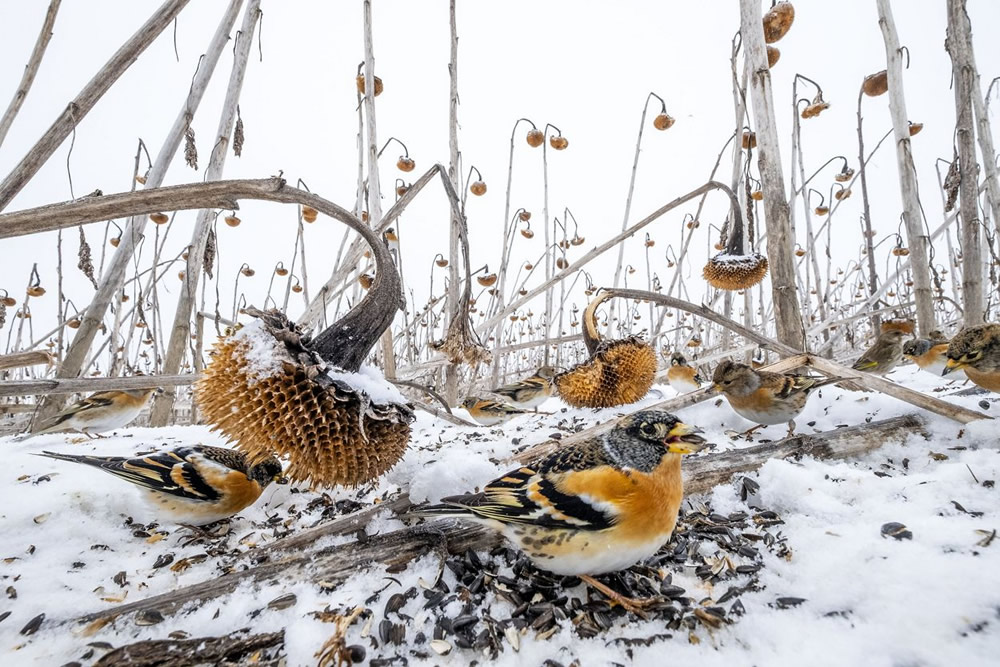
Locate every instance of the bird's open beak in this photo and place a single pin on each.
(281, 479)
(684, 439)
(953, 365)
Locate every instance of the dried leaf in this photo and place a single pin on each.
(238, 134)
(84, 263)
(190, 151)
(951, 183)
(208, 260)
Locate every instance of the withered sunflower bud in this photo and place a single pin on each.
(876, 84)
(618, 372)
(275, 390)
(777, 21)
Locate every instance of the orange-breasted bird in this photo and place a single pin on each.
(976, 350)
(929, 354)
(681, 377)
(597, 506)
(490, 413)
(100, 412)
(190, 485)
(530, 392)
(884, 354)
(764, 397)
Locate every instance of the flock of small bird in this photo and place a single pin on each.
(599, 505)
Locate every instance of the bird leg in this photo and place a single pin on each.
(207, 533)
(791, 428)
(750, 431)
(633, 605)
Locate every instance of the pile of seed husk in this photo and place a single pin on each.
(504, 598)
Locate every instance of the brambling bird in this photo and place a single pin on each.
(99, 412)
(681, 377)
(599, 505)
(490, 413)
(763, 397)
(976, 350)
(929, 354)
(530, 392)
(190, 485)
(884, 355)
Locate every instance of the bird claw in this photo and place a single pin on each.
(205, 533)
(634, 605)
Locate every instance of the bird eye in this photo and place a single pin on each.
(727, 382)
(648, 429)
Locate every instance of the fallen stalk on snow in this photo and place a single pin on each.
(333, 565)
(195, 651)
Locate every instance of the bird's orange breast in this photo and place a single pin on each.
(238, 491)
(762, 399)
(646, 503)
(989, 381)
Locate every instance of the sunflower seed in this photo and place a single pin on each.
(163, 560)
(148, 617)
(32, 626)
(283, 602)
(896, 530)
(440, 646)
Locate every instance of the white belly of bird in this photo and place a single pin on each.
(774, 416)
(683, 386)
(583, 552)
(100, 423)
(184, 510)
(531, 403)
(489, 420)
(938, 367)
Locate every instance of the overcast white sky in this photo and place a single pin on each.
(586, 67)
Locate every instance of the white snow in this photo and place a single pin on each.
(262, 351)
(370, 380)
(869, 600)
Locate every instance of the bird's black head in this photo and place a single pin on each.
(663, 428)
(266, 471)
(677, 359)
(917, 347)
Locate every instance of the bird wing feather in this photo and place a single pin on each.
(537, 495)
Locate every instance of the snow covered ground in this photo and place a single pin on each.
(74, 540)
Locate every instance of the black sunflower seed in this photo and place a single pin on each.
(283, 602)
(148, 617)
(395, 603)
(32, 626)
(163, 560)
(463, 622)
(896, 530)
(788, 602)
